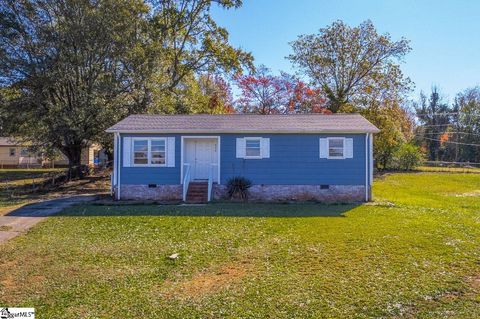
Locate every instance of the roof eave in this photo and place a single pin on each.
(186, 131)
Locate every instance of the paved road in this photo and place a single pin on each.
(22, 219)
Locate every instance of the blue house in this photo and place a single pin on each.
(286, 157)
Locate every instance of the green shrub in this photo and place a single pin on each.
(407, 157)
(237, 187)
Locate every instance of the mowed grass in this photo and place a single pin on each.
(413, 253)
(475, 170)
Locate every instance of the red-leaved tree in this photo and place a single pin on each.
(264, 93)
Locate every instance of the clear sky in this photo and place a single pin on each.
(444, 34)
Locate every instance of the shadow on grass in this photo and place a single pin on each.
(213, 209)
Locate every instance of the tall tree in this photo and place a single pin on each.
(466, 124)
(74, 67)
(435, 117)
(218, 94)
(351, 62)
(262, 92)
(265, 93)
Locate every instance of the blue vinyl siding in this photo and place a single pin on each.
(152, 175)
(294, 159)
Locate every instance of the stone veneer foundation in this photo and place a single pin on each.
(335, 193)
(143, 192)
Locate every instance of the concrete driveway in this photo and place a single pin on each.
(22, 219)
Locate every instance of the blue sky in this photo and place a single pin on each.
(444, 34)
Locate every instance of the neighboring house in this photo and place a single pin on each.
(286, 157)
(15, 154)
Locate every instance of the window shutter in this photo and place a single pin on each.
(241, 148)
(348, 148)
(127, 151)
(265, 148)
(170, 151)
(323, 148)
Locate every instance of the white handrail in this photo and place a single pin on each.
(210, 181)
(186, 181)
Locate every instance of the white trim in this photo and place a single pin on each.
(252, 138)
(328, 147)
(182, 149)
(190, 131)
(366, 167)
(371, 159)
(149, 152)
(119, 159)
(115, 155)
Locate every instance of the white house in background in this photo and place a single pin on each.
(15, 154)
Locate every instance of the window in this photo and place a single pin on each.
(149, 152)
(24, 152)
(158, 152)
(335, 148)
(252, 147)
(13, 152)
(140, 152)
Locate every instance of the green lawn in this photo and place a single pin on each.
(414, 253)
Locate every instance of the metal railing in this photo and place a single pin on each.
(210, 180)
(186, 180)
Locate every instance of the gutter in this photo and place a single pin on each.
(215, 131)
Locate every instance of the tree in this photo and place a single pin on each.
(72, 68)
(349, 63)
(218, 94)
(435, 117)
(466, 125)
(264, 93)
(395, 125)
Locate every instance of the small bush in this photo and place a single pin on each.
(237, 187)
(407, 157)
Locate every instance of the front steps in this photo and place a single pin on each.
(197, 192)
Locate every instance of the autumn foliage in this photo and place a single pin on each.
(264, 93)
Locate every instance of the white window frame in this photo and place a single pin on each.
(14, 153)
(259, 139)
(149, 151)
(328, 148)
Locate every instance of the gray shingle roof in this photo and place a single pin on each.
(8, 141)
(245, 123)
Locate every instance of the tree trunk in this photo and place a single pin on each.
(74, 155)
(109, 155)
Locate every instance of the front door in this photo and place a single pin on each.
(201, 154)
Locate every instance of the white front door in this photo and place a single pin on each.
(202, 156)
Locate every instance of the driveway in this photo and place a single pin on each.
(22, 219)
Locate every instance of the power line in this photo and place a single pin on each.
(458, 143)
(434, 133)
(447, 113)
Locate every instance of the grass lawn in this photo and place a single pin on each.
(414, 253)
(475, 170)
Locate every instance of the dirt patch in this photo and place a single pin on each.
(5, 228)
(474, 193)
(210, 281)
(475, 283)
